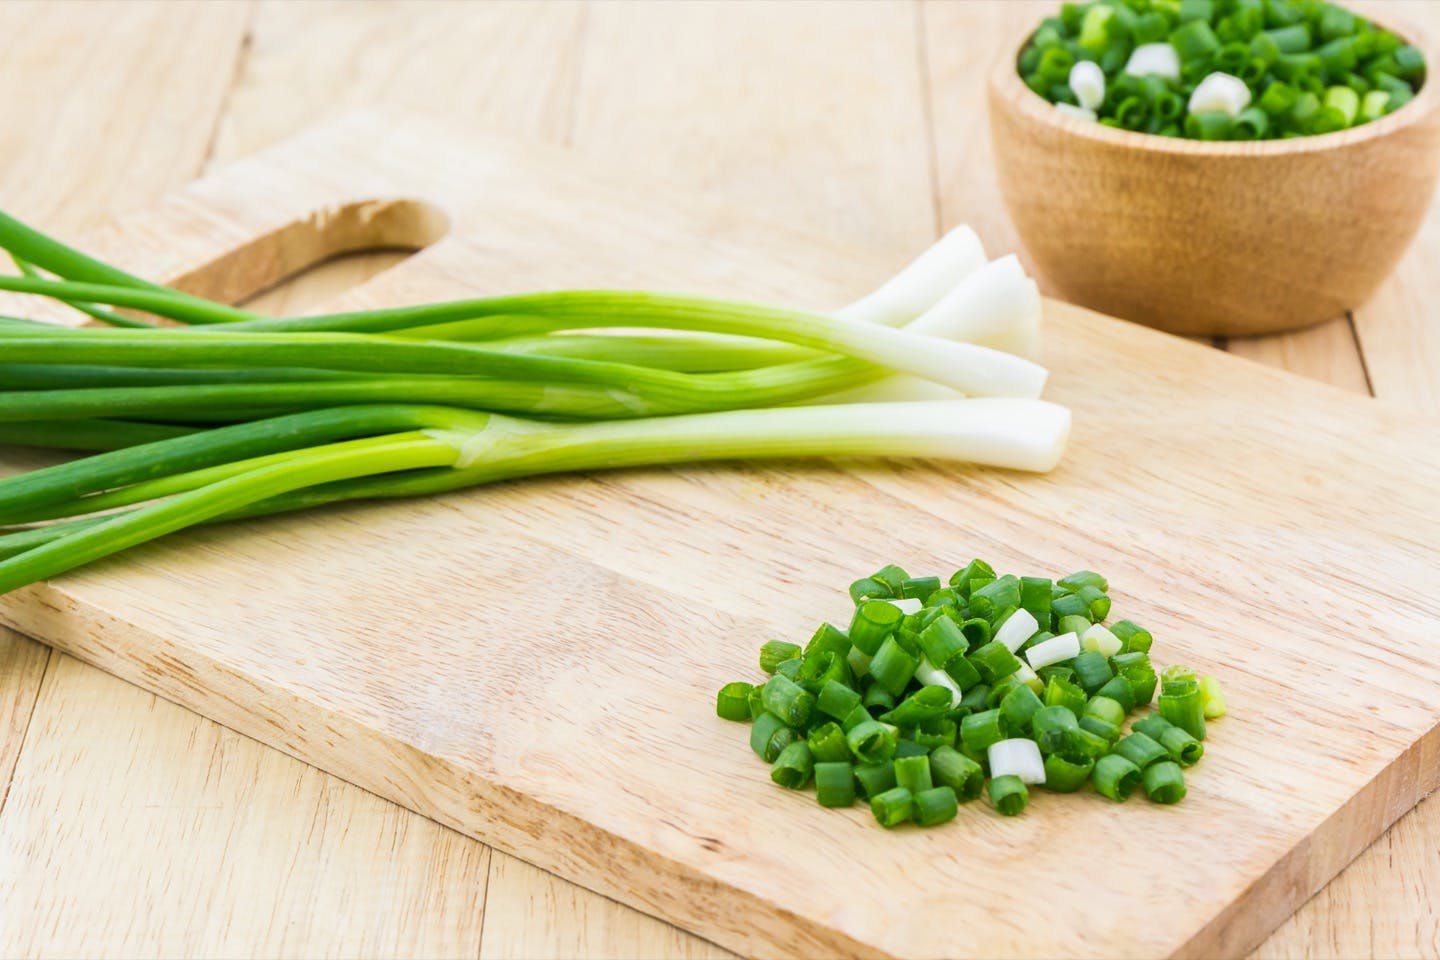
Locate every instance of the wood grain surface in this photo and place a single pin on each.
(431, 705)
(301, 60)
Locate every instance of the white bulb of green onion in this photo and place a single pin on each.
(932, 676)
(1055, 650)
(907, 605)
(1017, 757)
(1087, 82)
(996, 306)
(1080, 113)
(1160, 59)
(1220, 93)
(1017, 628)
(1101, 640)
(922, 283)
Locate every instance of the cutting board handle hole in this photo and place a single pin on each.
(334, 248)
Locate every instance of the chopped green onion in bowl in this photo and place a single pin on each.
(1220, 69)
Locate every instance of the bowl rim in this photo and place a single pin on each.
(1005, 82)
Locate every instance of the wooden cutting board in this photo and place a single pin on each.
(534, 664)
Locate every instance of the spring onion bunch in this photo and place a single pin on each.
(939, 692)
(1220, 69)
(194, 411)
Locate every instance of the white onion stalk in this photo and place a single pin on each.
(1222, 93)
(1079, 113)
(1087, 82)
(1101, 640)
(1055, 650)
(920, 285)
(932, 676)
(1017, 628)
(1160, 59)
(906, 605)
(1018, 757)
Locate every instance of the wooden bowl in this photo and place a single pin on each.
(1209, 238)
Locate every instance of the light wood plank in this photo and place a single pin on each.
(1327, 352)
(258, 854)
(505, 67)
(107, 104)
(22, 669)
(808, 112)
(531, 914)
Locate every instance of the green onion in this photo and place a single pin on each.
(1212, 699)
(994, 661)
(923, 704)
(942, 640)
(769, 735)
(893, 807)
(877, 699)
(1182, 747)
(1140, 750)
(1066, 775)
(872, 741)
(837, 700)
(775, 652)
(951, 768)
(828, 744)
(1119, 689)
(893, 666)
(1181, 702)
(1100, 727)
(1009, 795)
(1082, 744)
(908, 748)
(834, 784)
(1134, 639)
(873, 779)
(913, 773)
(793, 767)
(1092, 671)
(1049, 726)
(874, 621)
(1019, 706)
(1164, 783)
(1060, 692)
(788, 700)
(1115, 777)
(979, 730)
(733, 701)
(935, 805)
(1104, 708)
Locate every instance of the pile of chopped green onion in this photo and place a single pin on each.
(1220, 69)
(937, 693)
(195, 411)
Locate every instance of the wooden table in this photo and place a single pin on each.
(130, 826)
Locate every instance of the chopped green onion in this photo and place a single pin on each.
(769, 735)
(1135, 639)
(1018, 757)
(893, 807)
(1164, 783)
(935, 805)
(1140, 750)
(873, 779)
(974, 570)
(1092, 671)
(893, 666)
(834, 784)
(951, 768)
(836, 700)
(1066, 775)
(979, 730)
(1070, 605)
(923, 704)
(775, 652)
(1019, 706)
(962, 671)
(941, 640)
(1054, 650)
(977, 632)
(1100, 727)
(1049, 726)
(1009, 795)
(937, 732)
(1035, 598)
(1181, 702)
(733, 701)
(1082, 744)
(908, 748)
(1212, 699)
(919, 588)
(828, 639)
(1060, 692)
(1182, 747)
(788, 700)
(873, 622)
(789, 669)
(828, 744)
(1101, 640)
(913, 773)
(1084, 578)
(1115, 777)
(1105, 709)
(994, 661)
(872, 741)
(877, 699)
(1017, 628)
(793, 767)
(756, 703)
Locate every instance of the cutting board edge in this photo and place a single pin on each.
(403, 773)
